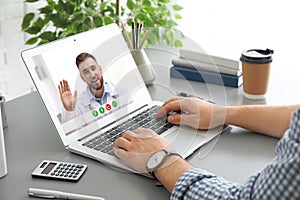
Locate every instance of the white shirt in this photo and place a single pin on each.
(86, 102)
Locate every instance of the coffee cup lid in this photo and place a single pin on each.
(257, 56)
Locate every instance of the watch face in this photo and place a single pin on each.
(156, 159)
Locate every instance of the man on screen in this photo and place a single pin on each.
(98, 91)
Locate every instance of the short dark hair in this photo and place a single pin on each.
(82, 57)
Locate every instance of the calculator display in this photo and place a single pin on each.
(48, 168)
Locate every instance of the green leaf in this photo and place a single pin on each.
(32, 30)
(43, 42)
(32, 40)
(68, 31)
(27, 20)
(178, 43)
(87, 22)
(46, 9)
(59, 21)
(103, 5)
(48, 35)
(146, 3)
(149, 9)
(69, 7)
(39, 23)
(131, 5)
(177, 7)
(107, 20)
(141, 16)
(78, 28)
(97, 21)
(177, 16)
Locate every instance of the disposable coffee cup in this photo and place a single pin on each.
(256, 64)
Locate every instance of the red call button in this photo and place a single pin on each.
(108, 107)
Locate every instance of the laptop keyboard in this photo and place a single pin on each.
(145, 119)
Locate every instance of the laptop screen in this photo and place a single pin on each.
(86, 81)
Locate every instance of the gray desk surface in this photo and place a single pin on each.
(31, 137)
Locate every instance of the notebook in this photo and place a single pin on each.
(125, 94)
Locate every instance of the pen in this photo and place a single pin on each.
(126, 36)
(52, 194)
(145, 38)
(137, 36)
(133, 34)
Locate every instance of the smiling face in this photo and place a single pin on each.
(91, 73)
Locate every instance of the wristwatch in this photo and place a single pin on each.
(157, 159)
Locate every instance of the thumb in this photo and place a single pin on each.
(184, 119)
(175, 119)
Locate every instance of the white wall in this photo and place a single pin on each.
(227, 27)
(238, 23)
(221, 27)
(14, 80)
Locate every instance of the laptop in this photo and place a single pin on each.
(130, 100)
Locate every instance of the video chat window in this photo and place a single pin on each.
(61, 77)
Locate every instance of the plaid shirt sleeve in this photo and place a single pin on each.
(279, 180)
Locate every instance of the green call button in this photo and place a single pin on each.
(101, 110)
(114, 104)
(95, 113)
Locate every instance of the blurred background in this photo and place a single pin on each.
(220, 27)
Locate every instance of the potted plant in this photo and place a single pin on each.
(61, 18)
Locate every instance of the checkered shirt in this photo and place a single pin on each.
(280, 179)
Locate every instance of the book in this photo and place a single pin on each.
(203, 57)
(205, 66)
(194, 74)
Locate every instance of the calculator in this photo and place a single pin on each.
(59, 170)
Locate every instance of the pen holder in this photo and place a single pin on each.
(144, 65)
(3, 165)
(3, 113)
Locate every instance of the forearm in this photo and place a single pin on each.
(269, 120)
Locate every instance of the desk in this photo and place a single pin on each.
(31, 137)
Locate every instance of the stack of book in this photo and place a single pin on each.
(197, 66)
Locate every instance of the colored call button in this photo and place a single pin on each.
(108, 107)
(114, 104)
(95, 113)
(101, 110)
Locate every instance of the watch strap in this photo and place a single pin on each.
(168, 153)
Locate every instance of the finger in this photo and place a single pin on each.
(120, 153)
(171, 106)
(122, 143)
(66, 85)
(59, 90)
(145, 132)
(172, 99)
(128, 135)
(61, 86)
(183, 119)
